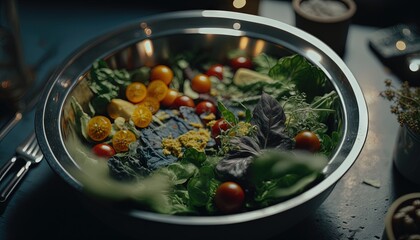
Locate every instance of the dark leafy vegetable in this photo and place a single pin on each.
(236, 164)
(269, 118)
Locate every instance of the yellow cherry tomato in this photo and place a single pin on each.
(122, 139)
(99, 128)
(157, 89)
(136, 92)
(142, 116)
(151, 103)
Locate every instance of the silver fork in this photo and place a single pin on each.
(28, 151)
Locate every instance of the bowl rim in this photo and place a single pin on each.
(328, 183)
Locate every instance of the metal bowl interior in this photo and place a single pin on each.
(155, 39)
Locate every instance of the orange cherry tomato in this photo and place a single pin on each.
(99, 128)
(157, 89)
(201, 83)
(163, 73)
(136, 92)
(151, 103)
(122, 139)
(170, 97)
(141, 116)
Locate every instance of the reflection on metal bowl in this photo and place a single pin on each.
(154, 40)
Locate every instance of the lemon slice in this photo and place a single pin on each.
(120, 108)
(244, 76)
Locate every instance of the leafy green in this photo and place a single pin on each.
(291, 74)
(106, 84)
(313, 117)
(178, 202)
(296, 69)
(141, 74)
(199, 186)
(81, 118)
(329, 143)
(193, 180)
(263, 63)
(226, 114)
(278, 175)
(192, 155)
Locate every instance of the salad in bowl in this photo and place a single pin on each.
(219, 137)
(209, 122)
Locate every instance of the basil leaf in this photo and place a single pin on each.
(263, 63)
(227, 114)
(236, 164)
(179, 202)
(277, 175)
(182, 171)
(191, 155)
(269, 118)
(200, 186)
(307, 77)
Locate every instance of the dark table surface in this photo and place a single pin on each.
(45, 207)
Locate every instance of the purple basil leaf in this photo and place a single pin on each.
(235, 164)
(269, 117)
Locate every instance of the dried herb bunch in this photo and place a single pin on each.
(406, 104)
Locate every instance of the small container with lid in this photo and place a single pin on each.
(328, 20)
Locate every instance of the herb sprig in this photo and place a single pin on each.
(405, 104)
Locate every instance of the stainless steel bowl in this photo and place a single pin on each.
(151, 41)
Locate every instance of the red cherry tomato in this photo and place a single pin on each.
(215, 70)
(307, 140)
(218, 126)
(183, 101)
(229, 197)
(205, 107)
(241, 62)
(103, 150)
